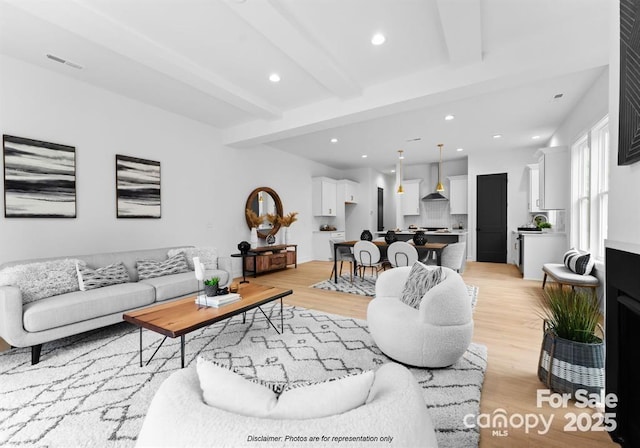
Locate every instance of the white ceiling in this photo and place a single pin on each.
(494, 64)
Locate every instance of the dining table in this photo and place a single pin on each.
(423, 251)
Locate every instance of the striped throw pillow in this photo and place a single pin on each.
(421, 279)
(154, 268)
(579, 262)
(98, 278)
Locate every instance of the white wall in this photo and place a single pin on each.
(204, 184)
(624, 186)
(514, 163)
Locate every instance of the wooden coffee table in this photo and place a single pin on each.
(183, 316)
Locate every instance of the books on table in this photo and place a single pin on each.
(217, 301)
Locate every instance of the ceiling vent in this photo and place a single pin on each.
(65, 62)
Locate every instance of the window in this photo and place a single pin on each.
(590, 189)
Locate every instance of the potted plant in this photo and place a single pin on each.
(286, 221)
(544, 226)
(572, 354)
(255, 221)
(211, 286)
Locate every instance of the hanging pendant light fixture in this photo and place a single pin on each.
(436, 196)
(439, 186)
(400, 188)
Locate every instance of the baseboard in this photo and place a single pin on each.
(4, 346)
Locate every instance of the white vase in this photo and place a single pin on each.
(285, 235)
(253, 239)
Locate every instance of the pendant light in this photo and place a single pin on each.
(400, 188)
(439, 186)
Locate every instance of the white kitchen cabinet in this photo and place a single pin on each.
(458, 195)
(555, 174)
(534, 188)
(539, 248)
(410, 199)
(324, 199)
(350, 189)
(321, 246)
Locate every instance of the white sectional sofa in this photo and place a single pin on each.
(44, 320)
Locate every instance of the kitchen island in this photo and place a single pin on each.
(433, 236)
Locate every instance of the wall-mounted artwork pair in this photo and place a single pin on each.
(40, 181)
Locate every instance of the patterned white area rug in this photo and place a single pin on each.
(89, 391)
(366, 286)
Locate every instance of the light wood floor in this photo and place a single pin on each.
(506, 321)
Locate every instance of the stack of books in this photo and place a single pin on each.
(217, 301)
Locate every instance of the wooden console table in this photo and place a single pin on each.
(270, 258)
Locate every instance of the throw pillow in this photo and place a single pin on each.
(42, 279)
(98, 278)
(154, 268)
(421, 279)
(227, 390)
(579, 262)
(208, 256)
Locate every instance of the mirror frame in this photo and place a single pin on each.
(279, 210)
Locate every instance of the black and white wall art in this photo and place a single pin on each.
(137, 187)
(39, 179)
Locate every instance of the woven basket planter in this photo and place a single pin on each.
(566, 366)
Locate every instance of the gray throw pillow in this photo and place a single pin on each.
(42, 279)
(421, 279)
(154, 268)
(98, 278)
(208, 256)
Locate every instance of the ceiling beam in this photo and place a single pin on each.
(83, 19)
(462, 27)
(282, 30)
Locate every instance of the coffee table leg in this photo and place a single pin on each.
(281, 318)
(182, 351)
(244, 317)
(140, 346)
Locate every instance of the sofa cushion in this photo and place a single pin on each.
(224, 389)
(99, 278)
(579, 262)
(42, 279)
(79, 306)
(421, 279)
(208, 256)
(154, 268)
(172, 286)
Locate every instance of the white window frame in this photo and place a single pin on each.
(590, 189)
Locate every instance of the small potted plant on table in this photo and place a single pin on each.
(211, 286)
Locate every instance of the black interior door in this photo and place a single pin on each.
(491, 226)
(380, 209)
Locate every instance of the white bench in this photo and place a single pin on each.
(564, 276)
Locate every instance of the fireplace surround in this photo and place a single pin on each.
(622, 343)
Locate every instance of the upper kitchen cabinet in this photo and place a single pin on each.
(324, 199)
(458, 195)
(534, 188)
(350, 189)
(410, 199)
(554, 174)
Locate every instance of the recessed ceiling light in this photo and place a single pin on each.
(449, 117)
(364, 156)
(274, 77)
(460, 149)
(535, 137)
(393, 171)
(334, 140)
(378, 39)
(497, 136)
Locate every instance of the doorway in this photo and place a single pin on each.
(491, 220)
(380, 209)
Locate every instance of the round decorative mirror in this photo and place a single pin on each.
(261, 201)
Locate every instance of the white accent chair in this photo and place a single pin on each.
(401, 253)
(395, 407)
(436, 334)
(343, 254)
(367, 255)
(452, 256)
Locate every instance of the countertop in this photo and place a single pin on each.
(433, 232)
(539, 234)
(327, 231)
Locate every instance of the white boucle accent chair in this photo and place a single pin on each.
(436, 334)
(179, 417)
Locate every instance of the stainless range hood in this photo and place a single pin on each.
(434, 197)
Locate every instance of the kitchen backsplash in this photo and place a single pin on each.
(436, 214)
